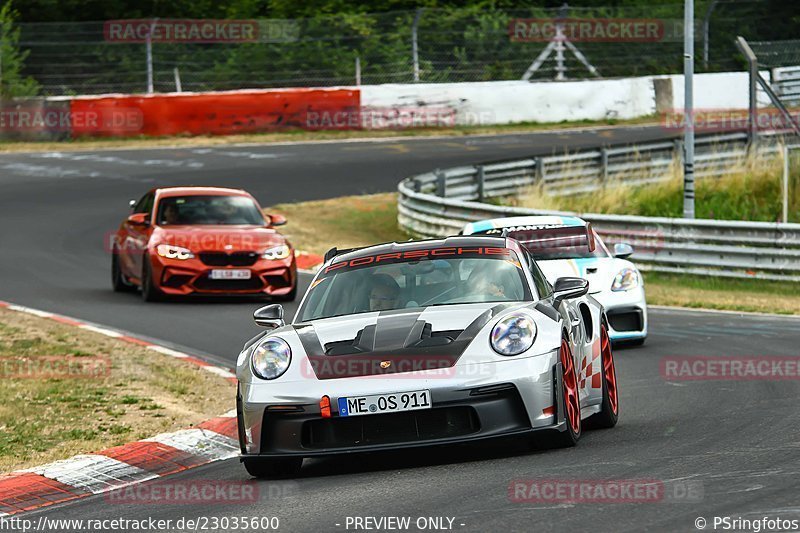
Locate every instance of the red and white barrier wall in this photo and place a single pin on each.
(390, 106)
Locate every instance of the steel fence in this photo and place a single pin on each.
(439, 203)
(477, 43)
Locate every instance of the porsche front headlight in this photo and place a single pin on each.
(625, 280)
(174, 252)
(513, 335)
(271, 358)
(277, 252)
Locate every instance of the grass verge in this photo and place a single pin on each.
(49, 415)
(297, 135)
(751, 191)
(362, 220)
(755, 296)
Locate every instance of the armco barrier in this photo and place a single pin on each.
(437, 204)
(217, 113)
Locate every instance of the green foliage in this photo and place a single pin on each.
(12, 82)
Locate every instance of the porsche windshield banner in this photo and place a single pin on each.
(449, 252)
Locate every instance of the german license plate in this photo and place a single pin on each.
(233, 273)
(384, 403)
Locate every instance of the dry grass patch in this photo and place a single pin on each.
(44, 419)
(344, 222)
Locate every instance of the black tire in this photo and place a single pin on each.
(118, 281)
(571, 435)
(609, 409)
(628, 344)
(273, 468)
(149, 292)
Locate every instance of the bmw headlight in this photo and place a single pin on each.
(513, 335)
(271, 358)
(174, 252)
(277, 252)
(625, 280)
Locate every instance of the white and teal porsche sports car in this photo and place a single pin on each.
(568, 246)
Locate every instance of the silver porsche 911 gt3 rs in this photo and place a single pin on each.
(424, 343)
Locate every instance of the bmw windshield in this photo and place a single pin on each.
(417, 278)
(208, 210)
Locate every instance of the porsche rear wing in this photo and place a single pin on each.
(544, 240)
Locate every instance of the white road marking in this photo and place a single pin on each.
(93, 473)
(30, 311)
(168, 351)
(202, 442)
(101, 331)
(218, 371)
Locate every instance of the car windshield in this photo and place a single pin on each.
(208, 210)
(416, 279)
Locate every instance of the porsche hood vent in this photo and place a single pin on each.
(400, 337)
(420, 335)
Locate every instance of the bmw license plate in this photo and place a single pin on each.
(384, 403)
(233, 273)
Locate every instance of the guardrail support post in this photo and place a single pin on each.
(678, 150)
(481, 183)
(539, 170)
(441, 184)
(603, 165)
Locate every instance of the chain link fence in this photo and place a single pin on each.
(425, 45)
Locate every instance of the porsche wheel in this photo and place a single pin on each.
(118, 280)
(149, 292)
(273, 468)
(609, 412)
(571, 405)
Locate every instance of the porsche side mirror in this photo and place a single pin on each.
(138, 219)
(623, 250)
(269, 316)
(568, 288)
(276, 220)
(132, 203)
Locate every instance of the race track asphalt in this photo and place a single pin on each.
(734, 444)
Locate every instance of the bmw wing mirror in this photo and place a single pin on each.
(623, 250)
(269, 316)
(568, 288)
(132, 203)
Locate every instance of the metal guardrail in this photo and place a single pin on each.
(786, 81)
(439, 203)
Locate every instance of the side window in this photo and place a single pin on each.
(145, 204)
(543, 286)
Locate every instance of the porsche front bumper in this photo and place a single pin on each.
(469, 402)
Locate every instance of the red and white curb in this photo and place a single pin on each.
(121, 466)
(307, 262)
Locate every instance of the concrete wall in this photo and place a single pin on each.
(390, 106)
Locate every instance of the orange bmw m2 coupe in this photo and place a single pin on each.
(202, 240)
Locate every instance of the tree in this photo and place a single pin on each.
(12, 60)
